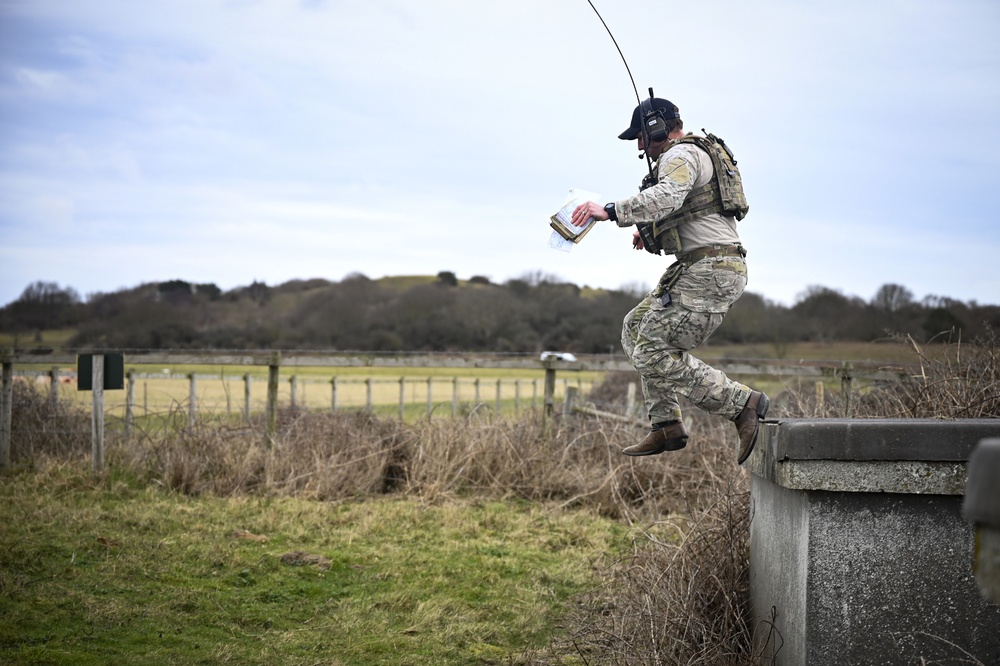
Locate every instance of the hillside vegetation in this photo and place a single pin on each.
(442, 313)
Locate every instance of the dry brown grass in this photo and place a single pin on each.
(574, 463)
(684, 600)
(953, 381)
(41, 430)
(682, 595)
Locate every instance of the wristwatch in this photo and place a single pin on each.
(610, 210)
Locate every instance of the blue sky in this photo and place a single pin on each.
(248, 140)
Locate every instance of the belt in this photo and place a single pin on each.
(700, 253)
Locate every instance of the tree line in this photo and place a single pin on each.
(442, 313)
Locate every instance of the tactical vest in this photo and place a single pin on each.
(723, 194)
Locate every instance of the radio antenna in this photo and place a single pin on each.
(638, 101)
(645, 137)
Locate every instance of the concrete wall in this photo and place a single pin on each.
(859, 551)
(981, 507)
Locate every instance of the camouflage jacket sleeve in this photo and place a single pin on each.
(677, 172)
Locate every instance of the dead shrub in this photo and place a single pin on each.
(314, 456)
(612, 393)
(957, 380)
(951, 380)
(41, 429)
(682, 597)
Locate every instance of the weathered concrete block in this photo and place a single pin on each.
(982, 507)
(859, 552)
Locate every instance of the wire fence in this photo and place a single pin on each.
(245, 395)
(235, 396)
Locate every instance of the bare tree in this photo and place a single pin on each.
(892, 298)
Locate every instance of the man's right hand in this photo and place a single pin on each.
(588, 210)
(637, 241)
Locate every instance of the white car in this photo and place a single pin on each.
(560, 356)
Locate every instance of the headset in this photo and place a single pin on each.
(654, 122)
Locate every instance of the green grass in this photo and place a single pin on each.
(114, 572)
(55, 338)
(260, 372)
(834, 352)
(404, 282)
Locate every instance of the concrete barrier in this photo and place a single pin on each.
(859, 553)
(982, 508)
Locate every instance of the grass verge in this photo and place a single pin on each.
(114, 572)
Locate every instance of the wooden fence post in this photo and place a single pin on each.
(570, 400)
(454, 396)
(368, 394)
(273, 365)
(192, 399)
(630, 399)
(402, 396)
(129, 404)
(333, 395)
(6, 406)
(97, 415)
(430, 397)
(847, 386)
(498, 397)
(477, 392)
(820, 397)
(293, 382)
(54, 388)
(517, 397)
(549, 398)
(246, 397)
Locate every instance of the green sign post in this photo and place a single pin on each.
(97, 372)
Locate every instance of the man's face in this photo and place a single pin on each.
(655, 148)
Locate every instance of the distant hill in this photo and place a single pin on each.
(443, 313)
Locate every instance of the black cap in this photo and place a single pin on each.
(670, 112)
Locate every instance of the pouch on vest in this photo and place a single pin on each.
(723, 194)
(652, 242)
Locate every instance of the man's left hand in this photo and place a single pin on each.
(588, 210)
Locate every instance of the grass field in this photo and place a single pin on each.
(159, 393)
(54, 338)
(99, 573)
(888, 351)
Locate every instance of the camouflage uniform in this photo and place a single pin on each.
(660, 331)
(657, 339)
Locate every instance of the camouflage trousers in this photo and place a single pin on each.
(657, 338)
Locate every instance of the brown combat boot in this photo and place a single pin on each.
(670, 437)
(748, 423)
